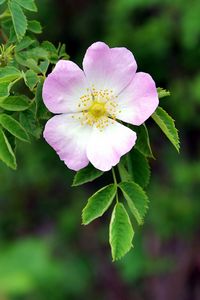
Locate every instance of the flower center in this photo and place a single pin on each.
(97, 109)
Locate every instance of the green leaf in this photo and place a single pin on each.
(31, 79)
(12, 141)
(143, 142)
(52, 51)
(135, 168)
(12, 40)
(35, 27)
(9, 74)
(5, 89)
(27, 62)
(167, 125)
(32, 64)
(98, 203)
(18, 18)
(38, 53)
(14, 127)
(40, 109)
(28, 121)
(6, 153)
(27, 4)
(124, 175)
(44, 66)
(6, 23)
(136, 198)
(140, 168)
(120, 232)
(8, 77)
(62, 51)
(48, 46)
(85, 175)
(162, 93)
(15, 103)
(24, 43)
(2, 1)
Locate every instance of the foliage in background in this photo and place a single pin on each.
(24, 62)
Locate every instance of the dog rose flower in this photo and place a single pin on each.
(91, 105)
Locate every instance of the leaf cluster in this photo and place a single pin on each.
(134, 176)
(24, 63)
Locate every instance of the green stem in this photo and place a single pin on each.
(114, 176)
(115, 182)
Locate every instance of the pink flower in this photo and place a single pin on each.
(91, 104)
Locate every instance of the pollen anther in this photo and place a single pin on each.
(97, 107)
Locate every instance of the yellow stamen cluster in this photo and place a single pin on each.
(98, 107)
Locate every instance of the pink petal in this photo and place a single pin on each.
(111, 68)
(68, 138)
(138, 100)
(105, 147)
(63, 87)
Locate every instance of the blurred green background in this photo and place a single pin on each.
(45, 253)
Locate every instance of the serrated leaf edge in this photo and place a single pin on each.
(86, 223)
(110, 226)
(11, 152)
(19, 37)
(172, 140)
(78, 184)
(139, 219)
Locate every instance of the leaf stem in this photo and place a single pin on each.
(114, 176)
(115, 182)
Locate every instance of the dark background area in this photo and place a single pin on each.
(45, 253)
